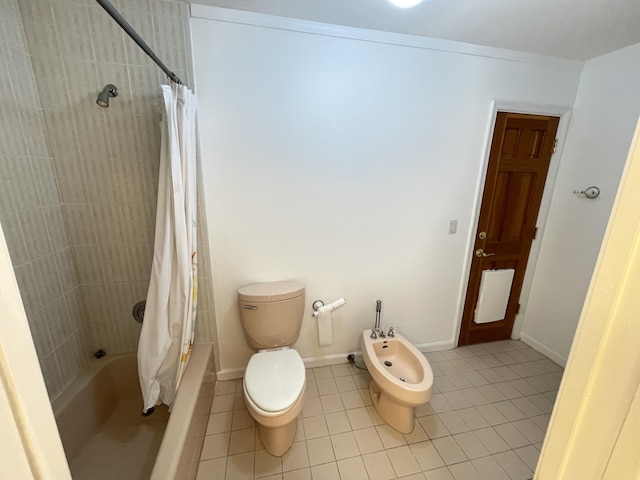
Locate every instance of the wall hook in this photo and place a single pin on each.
(589, 192)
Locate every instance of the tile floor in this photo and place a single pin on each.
(486, 420)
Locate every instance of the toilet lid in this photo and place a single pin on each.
(274, 379)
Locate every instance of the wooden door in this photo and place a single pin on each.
(519, 159)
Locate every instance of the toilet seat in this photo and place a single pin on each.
(274, 380)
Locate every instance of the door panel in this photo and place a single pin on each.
(519, 158)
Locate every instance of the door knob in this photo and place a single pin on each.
(481, 253)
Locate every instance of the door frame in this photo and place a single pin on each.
(564, 112)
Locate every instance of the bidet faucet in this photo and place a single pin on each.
(376, 331)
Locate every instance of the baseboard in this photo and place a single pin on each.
(327, 360)
(543, 349)
(230, 374)
(436, 346)
(314, 362)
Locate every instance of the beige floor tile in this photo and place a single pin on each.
(529, 455)
(320, 451)
(488, 468)
(415, 476)
(470, 445)
(328, 471)
(346, 384)
(473, 419)
(352, 399)
(296, 458)
(341, 370)
(223, 403)
(509, 410)
(439, 474)
(403, 461)
(491, 414)
(457, 400)
(242, 419)
(239, 401)
(344, 445)
(453, 422)
(219, 422)
(311, 389)
(508, 390)
(378, 466)
(302, 474)
(463, 471)
(390, 438)
(240, 467)
(511, 463)
(362, 380)
(353, 469)
(418, 434)
(366, 397)
(322, 372)
(491, 440)
(266, 464)
(368, 440)
(511, 435)
(530, 430)
(337, 422)
(527, 407)
(215, 446)
(427, 455)
(541, 421)
(523, 387)
(312, 407)
(212, 469)
(359, 418)
(225, 387)
(449, 450)
(327, 386)
(424, 410)
(242, 441)
(315, 427)
(433, 426)
(332, 403)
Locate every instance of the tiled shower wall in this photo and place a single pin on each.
(31, 213)
(104, 160)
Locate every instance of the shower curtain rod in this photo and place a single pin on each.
(117, 16)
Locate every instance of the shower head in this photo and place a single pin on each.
(108, 91)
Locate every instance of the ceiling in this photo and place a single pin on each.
(572, 29)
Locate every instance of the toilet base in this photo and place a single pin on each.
(277, 441)
(398, 415)
(277, 433)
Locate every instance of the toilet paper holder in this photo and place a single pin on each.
(319, 306)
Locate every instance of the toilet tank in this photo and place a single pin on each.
(271, 313)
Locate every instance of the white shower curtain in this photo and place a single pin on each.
(170, 313)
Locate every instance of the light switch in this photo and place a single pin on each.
(453, 226)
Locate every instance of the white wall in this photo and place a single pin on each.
(602, 125)
(339, 162)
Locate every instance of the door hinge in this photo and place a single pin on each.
(518, 309)
(535, 233)
(555, 146)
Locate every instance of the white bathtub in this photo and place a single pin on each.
(87, 409)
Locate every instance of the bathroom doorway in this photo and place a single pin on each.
(519, 158)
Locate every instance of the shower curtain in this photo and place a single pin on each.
(170, 312)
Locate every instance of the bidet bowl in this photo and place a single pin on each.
(401, 378)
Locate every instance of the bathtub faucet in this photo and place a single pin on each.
(376, 330)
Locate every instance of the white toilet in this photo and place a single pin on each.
(274, 381)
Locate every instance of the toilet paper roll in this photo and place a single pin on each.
(325, 327)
